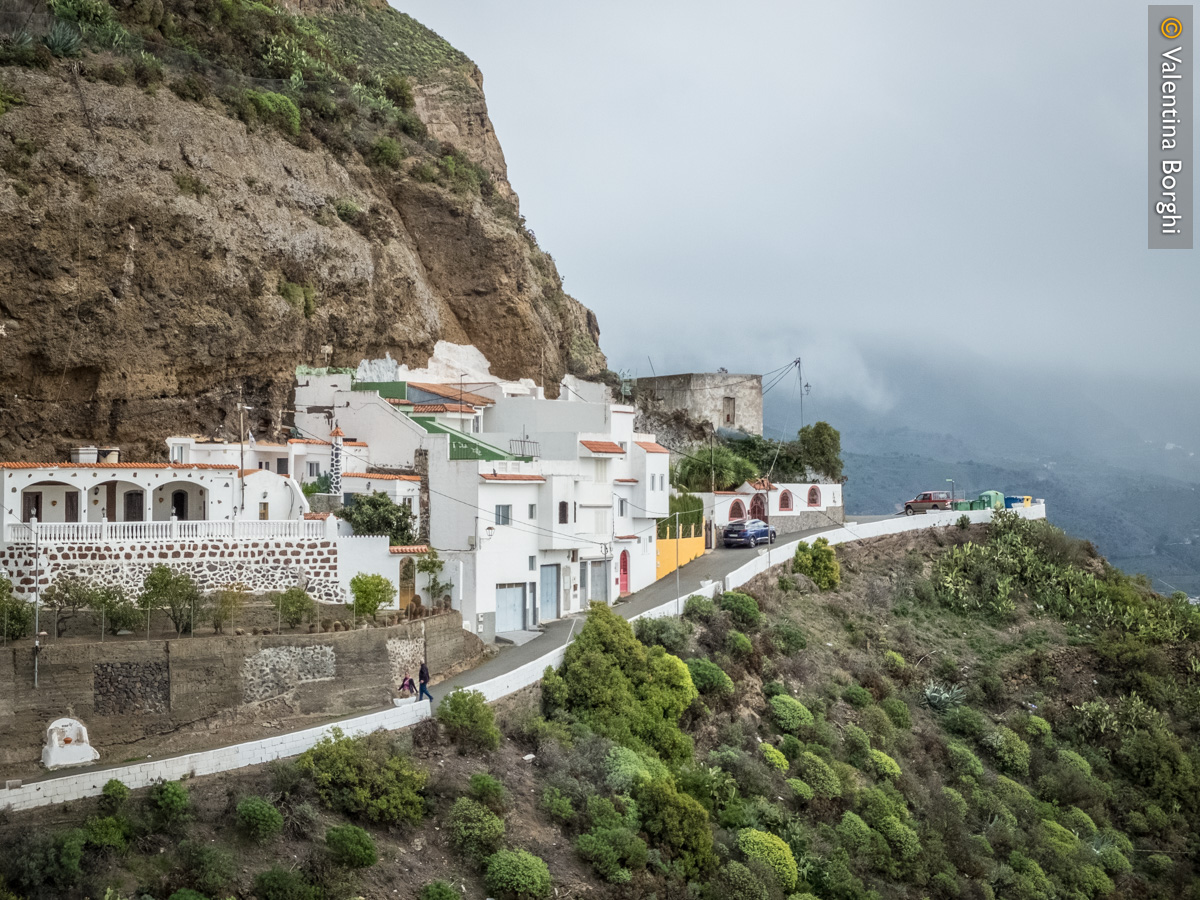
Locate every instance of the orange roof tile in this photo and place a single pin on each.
(312, 516)
(651, 447)
(381, 476)
(337, 432)
(396, 401)
(603, 446)
(510, 476)
(626, 480)
(317, 443)
(625, 537)
(409, 549)
(442, 407)
(451, 392)
(120, 465)
(762, 484)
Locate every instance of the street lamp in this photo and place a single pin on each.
(951, 480)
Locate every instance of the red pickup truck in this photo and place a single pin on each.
(927, 501)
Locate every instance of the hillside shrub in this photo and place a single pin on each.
(789, 639)
(742, 608)
(469, 721)
(857, 744)
(963, 761)
(1011, 753)
(897, 710)
(386, 153)
(615, 852)
(699, 609)
(439, 890)
(475, 830)
(858, 696)
(210, 870)
(774, 758)
(789, 713)
(16, 615)
(1075, 761)
(107, 832)
(819, 562)
(735, 880)
(276, 110)
(877, 724)
(709, 678)
(773, 851)
(801, 790)
(558, 805)
(181, 894)
(965, 721)
(738, 645)
(517, 875)
(894, 662)
(902, 839)
(791, 747)
(293, 606)
(667, 632)
(364, 777)
(259, 819)
(350, 847)
(176, 593)
(170, 805)
(370, 593)
(677, 825)
(278, 883)
(818, 775)
(488, 791)
(113, 797)
(624, 769)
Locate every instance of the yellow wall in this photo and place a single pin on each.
(689, 549)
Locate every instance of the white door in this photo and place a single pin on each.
(510, 607)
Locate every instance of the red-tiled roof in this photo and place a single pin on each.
(381, 476)
(312, 516)
(625, 537)
(510, 476)
(121, 465)
(763, 485)
(442, 408)
(651, 447)
(451, 392)
(337, 432)
(396, 401)
(724, 492)
(626, 480)
(325, 443)
(410, 549)
(603, 446)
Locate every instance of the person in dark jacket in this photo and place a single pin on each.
(423, 675)
(407, 684)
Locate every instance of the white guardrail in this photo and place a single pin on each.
(209, 762)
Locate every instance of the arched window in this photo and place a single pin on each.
(737, 510)
(785, 501)
(562, 512)
(814, 496)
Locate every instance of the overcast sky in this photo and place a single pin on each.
(737, 185)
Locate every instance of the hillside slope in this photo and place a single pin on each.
(209, 194)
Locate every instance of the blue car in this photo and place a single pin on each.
(748, 533)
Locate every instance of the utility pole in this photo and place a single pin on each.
(677, 537)
(241, 456)
(37, 597)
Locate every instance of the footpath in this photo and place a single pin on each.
(514, 668)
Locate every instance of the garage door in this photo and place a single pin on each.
(510, 607)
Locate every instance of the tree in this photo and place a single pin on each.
(16, 615)
(227, 603)
(821, 448)
(719, 464)
(117, 612)
(319, 485)
(176, 593)
(67, 596)
(371, 592)
(780, 460)
(377, 514)
(294, 605)
(431, 566)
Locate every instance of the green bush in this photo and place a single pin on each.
(853, 833)
(107, 832)
(185, 894)
(363, 776)
(259, 819)
(1038, 730)
(210, 870)
(386, 153)
(965, 721)
(789, 638)
(558, 804)
(897, 710)
(801, 789)
(350, 847)
(282, 884)
(819, 562)
(894, 662)
(773, 757)
(1073, 760)
(735, 881)
(738, 645)
(857, 695)
(276, 110)
(678, 825)
(371, 592)
(667, 632)
(469, 720)
(439, 890)
(774, 852)
(517, 875)
(294, 605)
(16, 615)
(709, 678)
(624, 769)
(170, 804)
(113, 797)
(877, 724)
(475, 830)
(742, 608)
(1011, 753)
(963, 761)
(902, 839)
(818, 775)
(857, 745)
(488, 791)
(791, 747)
(699, 608)
(789, 713)
(615, 852)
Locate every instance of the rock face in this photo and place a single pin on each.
(149, 243)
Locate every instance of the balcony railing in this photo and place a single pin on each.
(103, 532)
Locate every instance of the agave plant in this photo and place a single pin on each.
(62, 39)
(942, 698)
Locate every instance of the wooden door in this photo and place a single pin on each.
(31, 506)
(135, 507)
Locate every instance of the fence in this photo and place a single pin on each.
(92, 532)
(678, 550)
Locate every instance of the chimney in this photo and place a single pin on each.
(109, 455)
(335, 460)
(85, 455)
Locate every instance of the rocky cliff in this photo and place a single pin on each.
(173, 241)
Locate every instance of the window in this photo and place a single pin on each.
(264, 464)
(620, 506)
(621, 444)
(574, 512)
(406, 501)
(264, 510)
(281, 465)
(562, 512)
(533, 510)
(814, 496)
(785, 500)
(504, 514)
(737, 510)
(533, 564)
(314, 469)
(477, 424)
(601, 470)
(177, 453)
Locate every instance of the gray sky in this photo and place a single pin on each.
(737, 185)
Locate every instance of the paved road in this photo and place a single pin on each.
(710, 567)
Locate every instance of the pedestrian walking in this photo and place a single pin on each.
(423, 675)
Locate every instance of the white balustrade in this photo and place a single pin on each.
(106, 532)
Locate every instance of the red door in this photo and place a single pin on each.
(624, 571)
(758, 508)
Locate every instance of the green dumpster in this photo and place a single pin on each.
(977, 504)
(962, 505)
(992, 500)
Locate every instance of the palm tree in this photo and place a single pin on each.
(708, 468)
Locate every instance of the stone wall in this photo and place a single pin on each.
(127, 690)
(262, 564)
(808, 519)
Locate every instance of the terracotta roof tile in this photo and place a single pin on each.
(510, 476)
(325, 443)
(626, 480)
(396, 401)
(312, 516)
(121, 465)
(451, 392)
(381, 476)
(409, 549)
(337, 432)
(603, 446)
(442, 408)
(651, 447)
(762, 484)
(625, 537)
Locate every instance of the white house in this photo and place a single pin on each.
(789, 507)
